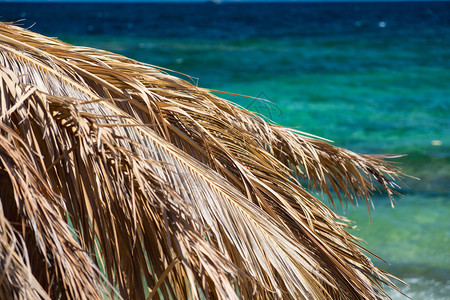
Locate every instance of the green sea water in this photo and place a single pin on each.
(374, 78)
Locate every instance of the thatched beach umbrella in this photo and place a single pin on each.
(118, 180)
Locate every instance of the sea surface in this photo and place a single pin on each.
(372, 77)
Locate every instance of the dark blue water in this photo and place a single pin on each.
(373, 77)
(232, 21)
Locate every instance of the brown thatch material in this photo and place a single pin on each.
(119, 180)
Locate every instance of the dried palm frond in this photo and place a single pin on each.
(120, 180)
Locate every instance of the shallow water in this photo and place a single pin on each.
(414, 238)
(373, 77)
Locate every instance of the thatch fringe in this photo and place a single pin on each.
(122, 180)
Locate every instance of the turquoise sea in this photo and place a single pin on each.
(372, 77)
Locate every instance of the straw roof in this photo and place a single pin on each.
(119, 180)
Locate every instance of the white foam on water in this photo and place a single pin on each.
(382, 24)
(421, 288)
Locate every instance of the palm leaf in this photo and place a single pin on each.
(172, 191)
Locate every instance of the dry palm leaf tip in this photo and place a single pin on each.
(121, 181)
